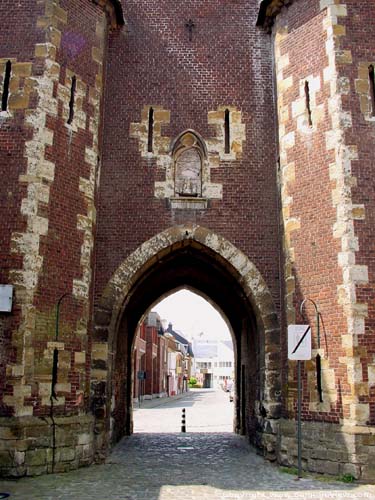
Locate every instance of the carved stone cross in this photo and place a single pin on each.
(190, 26)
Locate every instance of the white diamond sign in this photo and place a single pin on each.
(299, 342)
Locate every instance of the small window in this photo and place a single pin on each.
(227, 131)
(150, 130)
(371, 75)
(72, 99)
(308, 103)
(5, 95)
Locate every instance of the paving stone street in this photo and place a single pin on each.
(159, 463)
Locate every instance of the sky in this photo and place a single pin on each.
(191, 314)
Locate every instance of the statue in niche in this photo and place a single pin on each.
(188, 157)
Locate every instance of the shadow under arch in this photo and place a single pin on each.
(194, 257)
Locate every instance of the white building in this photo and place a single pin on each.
(172, 367)
(214, 362)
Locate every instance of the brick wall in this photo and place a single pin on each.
(67, 247)
(51, 171)
(309, 215)
(18, 38)
(327, 206)
(362, 135)
(227, 64)
(48, 200)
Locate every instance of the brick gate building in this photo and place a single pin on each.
(222, 146)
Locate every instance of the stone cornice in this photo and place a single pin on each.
(114, 11)
(268, 9)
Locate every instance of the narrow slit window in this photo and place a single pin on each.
(5, 95)
(72, 98)
(308, 102)
(150, 130)
(371, 74)
(227, 132)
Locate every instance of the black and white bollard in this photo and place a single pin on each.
(183, 422)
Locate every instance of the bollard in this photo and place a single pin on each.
(183, 422)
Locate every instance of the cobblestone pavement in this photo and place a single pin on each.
(161, 465)
(206, 411)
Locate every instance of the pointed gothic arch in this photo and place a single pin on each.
(202, 260)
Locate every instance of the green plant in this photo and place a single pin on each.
(347, 478)
(192, 381)
(289, 470)
(292, 470)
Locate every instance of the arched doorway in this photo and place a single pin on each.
(182, 338)
(196, 258)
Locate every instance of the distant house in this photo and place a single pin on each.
(150, 362)
(181, 359)
(214, 362)
(162, 360)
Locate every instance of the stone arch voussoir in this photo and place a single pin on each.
(110, 308)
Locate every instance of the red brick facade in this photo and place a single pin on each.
(362, 135)
(267, 107)
(189, 79)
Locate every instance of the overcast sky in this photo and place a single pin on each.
(191, 314)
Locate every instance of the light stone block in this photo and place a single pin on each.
(298, 107)
(324, 4)
(359, 274)
(371, 375)
(360, 413)
(64, 387)
(337, 10)
(80, 358)
(288, 141)
(100, 351)
(282, 62)
(285, 84)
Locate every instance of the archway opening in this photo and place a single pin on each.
(188, 257)
(201, 270)
(183, 358)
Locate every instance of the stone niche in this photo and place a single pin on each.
(188, 160)
(190, 170)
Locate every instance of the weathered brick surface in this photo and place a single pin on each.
(189, 84)
(362, 134)
(47, 197)
(66, 187)
(227, 64)
(17, 46)
(311, 254)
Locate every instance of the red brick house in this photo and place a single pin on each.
(150, 371)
